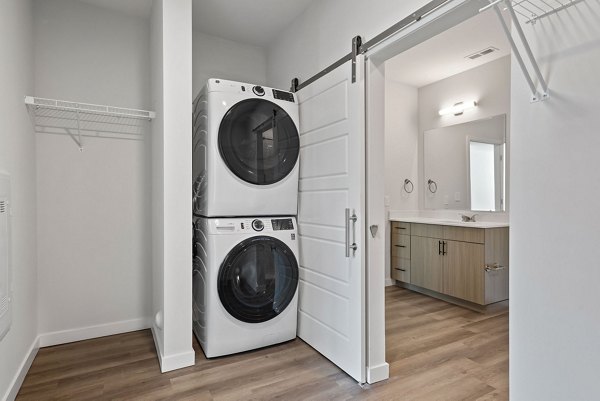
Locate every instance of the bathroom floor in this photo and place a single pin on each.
(436, 351)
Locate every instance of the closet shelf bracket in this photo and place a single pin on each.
(532, 11)
(83, 119)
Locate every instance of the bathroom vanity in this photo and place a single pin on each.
(461, 262)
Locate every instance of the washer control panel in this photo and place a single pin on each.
(250, 225)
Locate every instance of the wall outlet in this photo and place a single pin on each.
(386, 200)
(457, 196)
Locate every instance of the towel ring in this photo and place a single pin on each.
(432, 186)
(408, 184)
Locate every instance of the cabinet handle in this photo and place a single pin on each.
(400, 246)
(400, 228)
(444, 248)
(439, 247)
(402, 270)
(493, 267)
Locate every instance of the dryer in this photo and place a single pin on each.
(246, 148)
(245, 283)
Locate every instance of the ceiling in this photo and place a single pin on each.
(444, 55)
(255, 22)
(135, 8)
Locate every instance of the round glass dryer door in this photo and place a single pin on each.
(259, 141)
(258, 279)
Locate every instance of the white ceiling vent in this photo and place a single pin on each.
(481, 53)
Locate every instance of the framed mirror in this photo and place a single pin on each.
(465, 166)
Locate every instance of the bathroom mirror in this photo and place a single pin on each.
(464, 166)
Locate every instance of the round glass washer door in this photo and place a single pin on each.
(258, 141)
(258, 279)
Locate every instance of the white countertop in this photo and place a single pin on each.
(448, 222)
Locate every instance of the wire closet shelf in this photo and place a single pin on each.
(83, 119)
(533, 10)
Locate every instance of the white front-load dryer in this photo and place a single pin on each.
(245, 283)
(246, 148)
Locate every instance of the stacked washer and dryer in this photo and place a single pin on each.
(245, 193)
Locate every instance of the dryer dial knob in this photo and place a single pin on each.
(258, 90)
(258, 225)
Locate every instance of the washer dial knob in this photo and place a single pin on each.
(258, 90)
(258, 225)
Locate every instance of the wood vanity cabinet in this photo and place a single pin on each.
(467, 263)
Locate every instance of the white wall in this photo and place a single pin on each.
(324, 33)
(215, 57)
(401, 152)
(172, 181)
(554, 298)
(17, 157)
(489, 85)
(401, 144)
(93, 206)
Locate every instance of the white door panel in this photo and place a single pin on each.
(326, 100)
(332, 165)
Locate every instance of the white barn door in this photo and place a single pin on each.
(331, 315)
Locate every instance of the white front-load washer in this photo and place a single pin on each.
(246, 148)
(245, 283)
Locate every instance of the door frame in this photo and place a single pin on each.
(440, 20)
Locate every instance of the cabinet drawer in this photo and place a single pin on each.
(401, 246)
(427, 230)
(400, 227)
(401, 269)
(465, 234)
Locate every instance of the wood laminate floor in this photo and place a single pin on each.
(436, 351)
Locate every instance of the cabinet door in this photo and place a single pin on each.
(464, 271)
(426, 263)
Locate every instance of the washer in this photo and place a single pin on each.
(245, 283)
(245, 151)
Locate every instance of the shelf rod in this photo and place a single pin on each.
(517, 55)
(79, 133)
(554, 10)
(534, 63)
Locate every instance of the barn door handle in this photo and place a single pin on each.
(349, 219)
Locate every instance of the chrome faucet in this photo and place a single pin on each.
(468, 219)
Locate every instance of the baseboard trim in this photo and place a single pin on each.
(456, 301)
(17, 381)
(175, 361)
(378, 373)
(389, 281)
(86, 333)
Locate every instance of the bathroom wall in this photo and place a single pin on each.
(93, 206)
(17, 158)
(215, 57)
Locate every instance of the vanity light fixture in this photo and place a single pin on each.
(458, 108)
